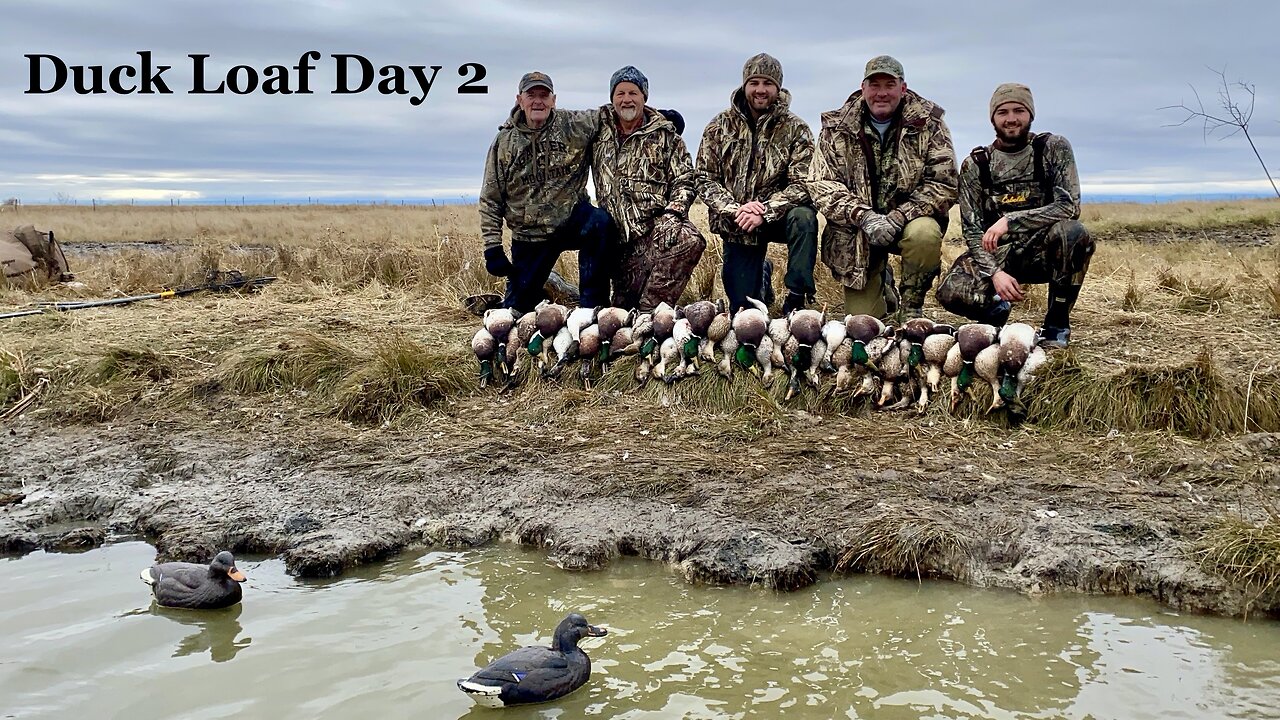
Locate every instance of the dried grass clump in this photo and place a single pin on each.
(366, 384)
(1194, 296)
(742, 397)
(117, 380)
(128, 364)
(1244, 553)
(303, 361)
(1132, 297)
(899, 541)
(1272, 295)
(1192, 398)
(11, 380)
(401, 374)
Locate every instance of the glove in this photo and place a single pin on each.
(879, 229)
(897, 220)
(676, 119)
(496, 262)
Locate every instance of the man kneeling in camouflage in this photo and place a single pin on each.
(645, 180)
(1020, 211)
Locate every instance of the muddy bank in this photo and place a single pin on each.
(1243, 236)
(776, 513)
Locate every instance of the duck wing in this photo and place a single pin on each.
(534, 674)
(515, 666)
(188, 585)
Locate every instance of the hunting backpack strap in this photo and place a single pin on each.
(981, 157)
(1042, 177)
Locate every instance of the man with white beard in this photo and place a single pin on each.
(644, 179)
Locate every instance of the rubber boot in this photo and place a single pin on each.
(1056, 331)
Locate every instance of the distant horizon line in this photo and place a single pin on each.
(1086, 198)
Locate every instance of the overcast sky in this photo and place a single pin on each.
(1100, 71)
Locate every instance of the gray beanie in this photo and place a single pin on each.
(1014, 93)
(763, 65)
(632, 75)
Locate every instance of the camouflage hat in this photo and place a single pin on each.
(763, 65)
(1012, 93)
(534, 79)
(632, 75)
(883, 65)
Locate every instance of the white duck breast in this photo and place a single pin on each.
(833, 333)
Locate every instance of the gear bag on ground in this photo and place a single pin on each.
(26, 251)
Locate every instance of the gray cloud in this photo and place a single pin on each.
(1100, 72)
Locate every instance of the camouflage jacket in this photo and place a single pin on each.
(639, 177)
(914, 172)
(1015, 195)
(740, 160)
(533, 178)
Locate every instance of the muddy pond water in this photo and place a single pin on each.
(80, 638)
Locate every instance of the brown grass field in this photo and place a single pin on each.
(1176, 356)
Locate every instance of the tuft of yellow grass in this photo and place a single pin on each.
(902, 542)
(1243, 552)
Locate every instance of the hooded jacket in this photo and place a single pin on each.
(643, 175)
(741, 160)
(915, 175)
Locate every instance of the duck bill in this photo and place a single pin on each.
(236, 575)
(596, 631)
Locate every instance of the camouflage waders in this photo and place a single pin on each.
(1058, 255)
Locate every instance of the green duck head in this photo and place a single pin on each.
(802, 358)
(965, 378)
(648, 346)
(1009, 387)
(535, 343)
(745, 357)
(860, 352)
(690, 347)
(916, 356)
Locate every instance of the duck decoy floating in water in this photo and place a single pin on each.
(536, 674)
(198, 587)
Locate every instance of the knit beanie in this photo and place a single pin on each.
(1012, 92)
(632, 75)
(763, 65)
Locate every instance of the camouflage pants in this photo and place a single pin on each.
(657, 266)
(920, 246)
(1058, 255)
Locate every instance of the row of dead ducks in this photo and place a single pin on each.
(896, 367)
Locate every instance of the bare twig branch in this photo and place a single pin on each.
(1238, 116)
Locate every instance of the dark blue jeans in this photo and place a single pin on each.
(586, 232)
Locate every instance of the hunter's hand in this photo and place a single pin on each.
(748, 221)
(991, 238)
(1007, 286)
(879, 230)
(755, 207)
(496, 262)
